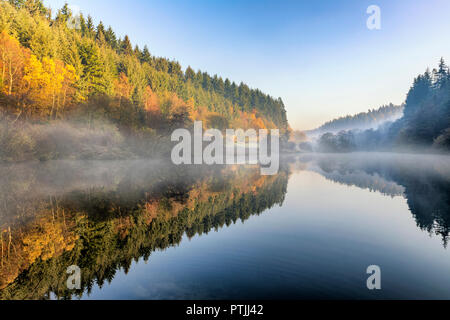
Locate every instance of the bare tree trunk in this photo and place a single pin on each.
(3, 68)
(64, 102)
(1, 240)
(10, 78)
(9, 244)
(17, 118)
(53, 107)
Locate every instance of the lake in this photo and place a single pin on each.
(150, 230)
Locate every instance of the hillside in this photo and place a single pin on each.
(53, 69)
(424, 127)
(364, 120)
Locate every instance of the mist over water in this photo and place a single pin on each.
(211, 232)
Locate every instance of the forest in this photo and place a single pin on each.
(364, 120)
(424, 126)
(66, 83)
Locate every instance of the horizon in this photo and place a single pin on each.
(316, 72)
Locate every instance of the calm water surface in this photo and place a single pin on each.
(308, 233)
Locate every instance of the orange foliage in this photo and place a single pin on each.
(123, 87)
(250, 120)
(12, 61)
(151, 101)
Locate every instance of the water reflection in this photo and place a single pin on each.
(102, 216)
(424, 180)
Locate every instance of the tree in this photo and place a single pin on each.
(125, 46)
(36, 7)
(48, 84)
(151, 101)
(441, 74)
(64, 14)
(93, 79)
(99, 59)
(145, 56)
(12, 62)
(111, 38)
(89, 27)
(100, 35)
(189, 74)
(83, 25)
(123, 88)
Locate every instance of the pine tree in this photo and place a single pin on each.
(441, 74)
(64, 14)
(189, 74)
(125, 46)
(90, 27)
(111, 38)
(83, 25)
(137, 52)
(100, 35)
(94, 79)
(145, 56)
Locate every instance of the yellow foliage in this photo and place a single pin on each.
(49, 84)
(12, 60)
(46, 240)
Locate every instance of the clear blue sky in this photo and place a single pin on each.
(318, 56)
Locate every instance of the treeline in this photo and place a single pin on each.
(363, 120)
(427, 112)
(67, 68)
(424, 126)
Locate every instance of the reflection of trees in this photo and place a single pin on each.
(423, 180)
(105, 217)
(429, 201)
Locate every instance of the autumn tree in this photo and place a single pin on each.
(151, 101)
(12, 61)
(48, 84)
(123, 88)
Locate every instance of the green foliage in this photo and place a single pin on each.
(99, 57)
(427, 110)
(425, 123)
(344, 141)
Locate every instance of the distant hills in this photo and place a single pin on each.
(361, 121)
(424, 125)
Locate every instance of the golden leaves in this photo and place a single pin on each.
(47, 83)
